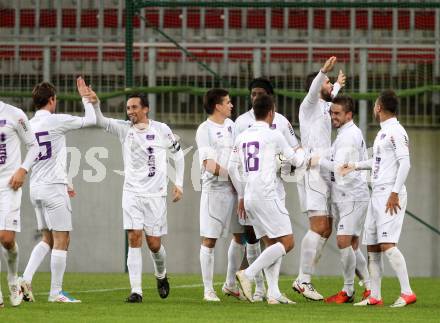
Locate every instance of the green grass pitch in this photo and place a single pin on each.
(103, 298)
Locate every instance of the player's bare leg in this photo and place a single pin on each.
(207, 266)
(235, 256)
(134, 265)
(253, 251)
(37, 256)
(10, 254)
(158, 255)
(311, 249)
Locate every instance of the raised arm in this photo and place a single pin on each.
(313, 95)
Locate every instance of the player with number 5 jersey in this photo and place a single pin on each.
(49, 188)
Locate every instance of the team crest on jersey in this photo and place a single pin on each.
(230, 129)
(150, 137)
(23, 124)
(2, 123)
(273, 126)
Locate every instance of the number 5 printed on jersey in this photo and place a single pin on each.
(251, 160)
(45, 144)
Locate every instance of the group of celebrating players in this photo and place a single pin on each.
(243, 165)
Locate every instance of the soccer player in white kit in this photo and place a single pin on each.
(390, 167)
(253, 168)
(14, 127)
(258, 87)
(314, 187)
(349, 196)
(49, 188)
(145, 144)
(218, 201)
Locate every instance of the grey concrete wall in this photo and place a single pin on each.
(98, 243)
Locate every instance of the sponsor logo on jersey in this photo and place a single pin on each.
(23, 125)
(219, 134)
(393, 142)
(150, 137)
(273, 126)
(384, 234)
(235, 149)
(2, 123)
(291, 129)
(382, 136)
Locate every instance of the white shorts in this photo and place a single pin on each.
(52, 207)
(145, 213)
(349, 217)
(314, 193)
(269, 218)
(218, 214)
(381, 227)
(10, 202)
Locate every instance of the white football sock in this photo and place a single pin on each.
(37, 256)
(235, 256)
(134, 265)
(309, 247)
(375, 267)
(398, 263)
(319, 249)
(362, 268)
(57, 269)
(159, 262)
(253, 251)
(267, 258)
(207, 266)
(11, 257)
(348, 260)
(272, 275)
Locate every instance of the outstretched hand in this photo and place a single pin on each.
(329, 65)
(341, 78)
(346, 169)
(86, 91)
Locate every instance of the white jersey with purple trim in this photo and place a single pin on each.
(280, 123)
(390, 145)
(50, 130)
(14, 126)
(254, 154)
(348, 146)
(215, 141)
(145, 156)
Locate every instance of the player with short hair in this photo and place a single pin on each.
(14, 127)
(349, 196)
(218, 217)
(49, 188)
(145, 147)
(390, 167)
(253, 168)
(258, 87)
(314, 186)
